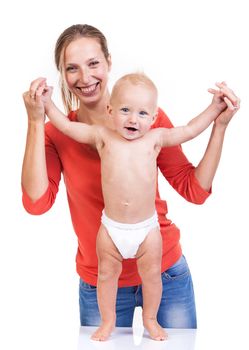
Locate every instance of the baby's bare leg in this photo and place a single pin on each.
(149, 257)
(109, 269)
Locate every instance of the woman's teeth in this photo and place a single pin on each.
(88, 89)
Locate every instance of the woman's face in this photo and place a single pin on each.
(86, 70)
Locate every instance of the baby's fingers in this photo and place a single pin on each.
(36, 85)
(214, 91)
(220, 85)
(40, 90)
(229, 93)
(230, 105)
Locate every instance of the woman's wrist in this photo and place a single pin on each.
(36, 122)
(220, 127)
(215, 108)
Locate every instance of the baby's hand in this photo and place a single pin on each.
(38, 99)
(45, 93)
(33, 99)
(220, 95)
(231, 108)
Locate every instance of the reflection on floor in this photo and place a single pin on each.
(133, 338)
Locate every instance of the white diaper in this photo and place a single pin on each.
(128, 237)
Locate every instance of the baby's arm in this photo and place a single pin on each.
(178, 135)
(78, 131)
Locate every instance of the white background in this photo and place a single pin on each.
(185, 47)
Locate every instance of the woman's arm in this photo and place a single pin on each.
(34, 170)
(206, 169)
(194, 183)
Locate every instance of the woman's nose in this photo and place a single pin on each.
(84, 76)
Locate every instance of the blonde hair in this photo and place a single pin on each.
(134, 79)
(70, 34)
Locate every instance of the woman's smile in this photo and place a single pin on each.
(89, 90)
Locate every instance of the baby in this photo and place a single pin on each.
(129, 225)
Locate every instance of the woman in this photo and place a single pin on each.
(82, 57)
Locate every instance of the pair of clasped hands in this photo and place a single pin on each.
(224, 101)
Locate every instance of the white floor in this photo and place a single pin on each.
(133, 338)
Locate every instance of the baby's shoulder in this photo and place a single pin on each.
(154, 133)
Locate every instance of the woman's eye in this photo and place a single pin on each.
(70, 69)
(94, 63)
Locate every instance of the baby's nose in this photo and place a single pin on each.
(133, 118)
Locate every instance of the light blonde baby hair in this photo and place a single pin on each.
(134, 79)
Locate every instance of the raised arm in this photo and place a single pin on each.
(206, 169)
(194, 182)
(78, 131)
(34, 170)
(181, 134)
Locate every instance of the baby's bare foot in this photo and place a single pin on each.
(156, 332)
(103, 332)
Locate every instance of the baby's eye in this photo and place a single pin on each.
(125, 109)
(143, 114)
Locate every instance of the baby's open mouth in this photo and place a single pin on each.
(131, 128)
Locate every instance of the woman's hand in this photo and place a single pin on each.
(36, 99)
(226, 101)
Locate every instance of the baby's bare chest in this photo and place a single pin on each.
(129, 160)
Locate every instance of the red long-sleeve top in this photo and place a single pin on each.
(80, 165)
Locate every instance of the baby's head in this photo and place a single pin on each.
(133, 105)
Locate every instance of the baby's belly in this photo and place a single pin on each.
(130, 207)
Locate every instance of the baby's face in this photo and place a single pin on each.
(133, 110)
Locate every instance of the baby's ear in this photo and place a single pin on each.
(155, 116)
(109, 110)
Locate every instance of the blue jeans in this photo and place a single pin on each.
(177, 308)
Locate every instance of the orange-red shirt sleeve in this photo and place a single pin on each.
(177, 169)
(54, 169)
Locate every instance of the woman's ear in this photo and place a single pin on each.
(109, 61)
